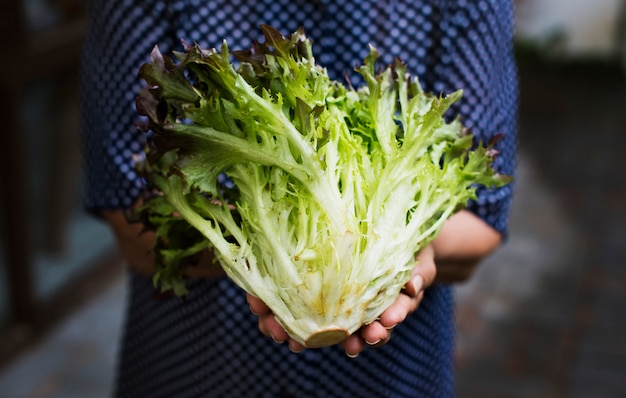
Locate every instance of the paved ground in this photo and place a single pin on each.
(545, 316)
(77, 359)
(542, 318)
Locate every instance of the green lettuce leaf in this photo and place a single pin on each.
(335, 189)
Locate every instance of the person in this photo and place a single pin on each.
(213, 343)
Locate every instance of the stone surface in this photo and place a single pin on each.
(76, 360)
(544, 316)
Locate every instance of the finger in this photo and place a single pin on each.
(375, 334)
(414, 285)
(353, 345)
(296, 347)
(257, 306)
(424, 272)
(399, 310)
(271, 328)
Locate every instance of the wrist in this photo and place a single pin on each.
(465, 237)
(463, 242)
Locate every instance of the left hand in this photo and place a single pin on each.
(374, 334)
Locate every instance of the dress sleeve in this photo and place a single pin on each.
(475, 53)
(119, 40)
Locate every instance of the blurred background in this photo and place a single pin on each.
(543, 317)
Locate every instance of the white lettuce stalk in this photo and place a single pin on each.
(335, 189)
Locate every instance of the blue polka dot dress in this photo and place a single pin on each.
(208, 345)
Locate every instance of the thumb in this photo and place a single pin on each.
(424, 272)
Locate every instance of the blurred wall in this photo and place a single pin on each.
(582, 27)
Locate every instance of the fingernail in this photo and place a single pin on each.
(373, 342)
(274, 338)
(417, 282)
(352, 355)
(391, 327)
(295, 351)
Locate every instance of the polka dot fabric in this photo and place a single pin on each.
(209, 344)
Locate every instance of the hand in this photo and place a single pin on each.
(374, 334)
(135, 244)
(378, 333)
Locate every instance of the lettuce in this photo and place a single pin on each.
(314, 196)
